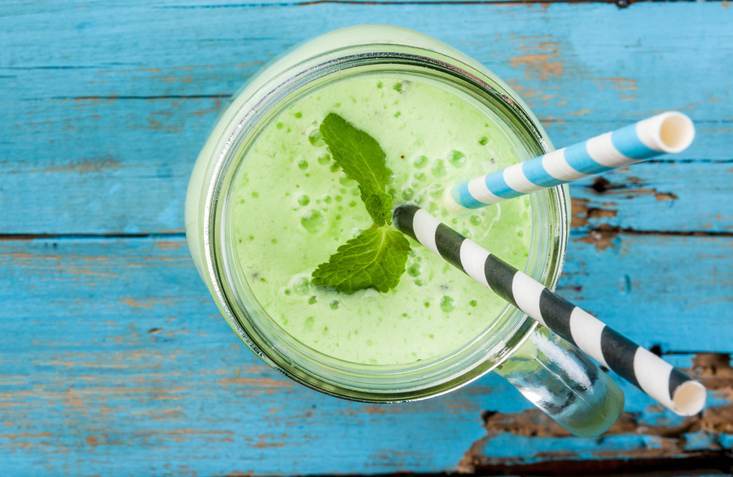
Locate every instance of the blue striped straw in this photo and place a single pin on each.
(668, 132)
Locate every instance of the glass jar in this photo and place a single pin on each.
(547, 370)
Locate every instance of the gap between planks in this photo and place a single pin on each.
(602, 229)
(92, 236)
(704, 463)
(618, 3)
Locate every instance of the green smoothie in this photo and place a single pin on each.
(292, 207)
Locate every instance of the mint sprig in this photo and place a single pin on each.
(376, 257)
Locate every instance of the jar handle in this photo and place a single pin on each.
(564, 383)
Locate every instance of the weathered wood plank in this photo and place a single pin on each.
(136, 155)
(125, 130)
(669, 291)
(559, 55)
(114, 360)
(21, 7)
(101, 166)
(672, 196)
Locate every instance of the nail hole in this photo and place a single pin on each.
(600, 185)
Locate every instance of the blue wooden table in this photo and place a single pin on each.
(113, 359)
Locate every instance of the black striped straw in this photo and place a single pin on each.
(656, 377)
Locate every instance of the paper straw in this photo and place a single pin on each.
(669, 132)
(656, 377)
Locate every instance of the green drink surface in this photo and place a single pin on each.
(292, 207)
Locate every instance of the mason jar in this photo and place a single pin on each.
(548, 371)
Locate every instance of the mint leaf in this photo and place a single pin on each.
(363, 160)
(373, 259)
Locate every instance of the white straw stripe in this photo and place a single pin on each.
(477, 188)
(652, 373)
(555, 164)
(424, 226)
(473, 258)
(515, 178)
(602, 150)
(527, 291)
(647, 131)
(670, 131)
(586, 331)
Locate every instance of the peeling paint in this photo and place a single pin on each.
(540, 59)
(542, 66)
(133, 303)
(257, 382)
(659, 439)
(169, 244)
(583, 212)
(625, 87)
(631, 188)
(84, 166)
(601, 237)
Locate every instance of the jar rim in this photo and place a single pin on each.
(266, 99)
